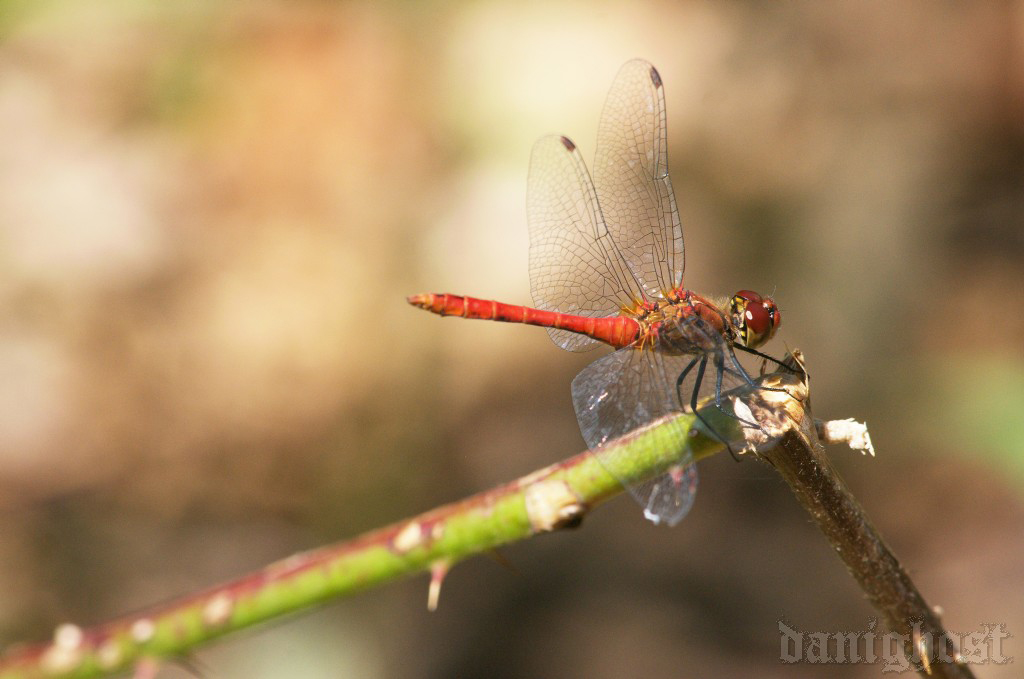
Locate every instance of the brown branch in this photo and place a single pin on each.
(801, 461)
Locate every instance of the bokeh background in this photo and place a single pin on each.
(211, 214)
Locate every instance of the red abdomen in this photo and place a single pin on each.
(618, 331)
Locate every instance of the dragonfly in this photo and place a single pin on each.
(606, 267)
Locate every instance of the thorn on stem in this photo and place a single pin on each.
(438, 571)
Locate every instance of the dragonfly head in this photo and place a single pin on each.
(755, 318)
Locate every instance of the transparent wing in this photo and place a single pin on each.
(574, 265)
(631, 387)
(620, 392)
(631, 176)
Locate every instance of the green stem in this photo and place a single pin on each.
(552, 498)
(548, 499)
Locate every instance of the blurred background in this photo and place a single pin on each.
(211, 214)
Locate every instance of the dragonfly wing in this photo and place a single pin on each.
(575, 267)
(630, 387)
(631, 175)
(620, 392)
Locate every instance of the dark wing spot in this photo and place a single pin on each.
(655, 77)
(567, 143)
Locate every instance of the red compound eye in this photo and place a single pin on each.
(773, 311)
(750, 296)
(757, 319)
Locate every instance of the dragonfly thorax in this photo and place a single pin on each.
(691, 323)
(688, 324)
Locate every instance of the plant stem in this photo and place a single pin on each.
(546, 500)
(801, 461)
(556, 497)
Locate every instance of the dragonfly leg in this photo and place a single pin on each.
(766, 357)
(720, 369)
(742, 373)
(696, 391)
(722, 366)
(696, 386)
(740, 370)
(679, 381)
(719, 374)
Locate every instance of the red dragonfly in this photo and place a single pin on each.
(606, 266)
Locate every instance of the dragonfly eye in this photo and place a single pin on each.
(756, 318)
(774, 313)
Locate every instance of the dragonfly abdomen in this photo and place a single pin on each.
(618, 331)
